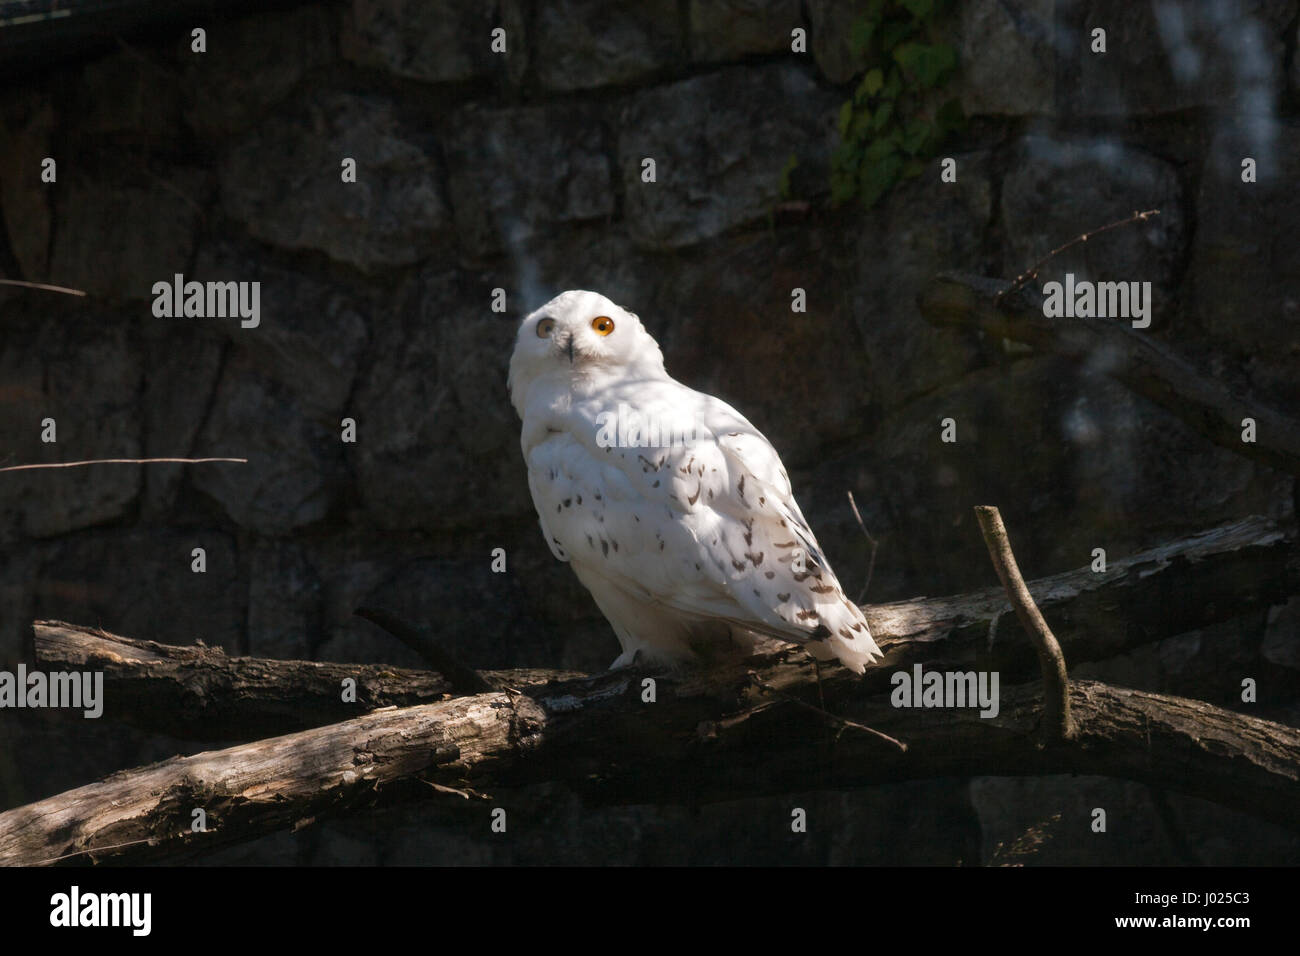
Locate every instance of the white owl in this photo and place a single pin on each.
(673, 510)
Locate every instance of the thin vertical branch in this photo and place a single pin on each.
(871, 562)
(1057, 724)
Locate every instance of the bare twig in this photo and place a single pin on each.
(42, 286)
(835, 720)
(871, 562)
(1056, 691)
(121, 461)
(1032, 272)
(91, 851)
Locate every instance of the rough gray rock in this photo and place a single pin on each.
(583, 44)
(515, 173)
(731, 332)
(284, 595)
(26, 124)
(724, 171)
(183, 364)
(1075, 462)
(923, 227)
(832, 25)
(728, 29)
(113, 196)
(284, 182)
(436, 43)
(312, 332)
(19, 567)
(1295, 63)
(1165, 57)
(1245, 265)
(467, 608)
(85, 373)
(928, 822)
(1205, 664)
(1006, 52)
(295, 467)
(351, 564)
(139, 581)
(1282, 638)
(129, 96)
(252, 64)
(1058, 189)
(437, 439)
(1047, 821)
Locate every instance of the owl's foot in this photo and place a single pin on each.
(626, 659)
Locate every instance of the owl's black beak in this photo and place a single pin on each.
(568, 345)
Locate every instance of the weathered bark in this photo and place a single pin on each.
(745, 727)
(1147, 366)
(198, 693)
(147, 814)
(201, 694)
(1166, 590)
(707, 737)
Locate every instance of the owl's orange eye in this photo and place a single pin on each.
(544, 328)
(603, 324)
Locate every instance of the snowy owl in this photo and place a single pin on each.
(672, 509)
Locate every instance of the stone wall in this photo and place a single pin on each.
(478, 171)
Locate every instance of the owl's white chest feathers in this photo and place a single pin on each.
(677, 515)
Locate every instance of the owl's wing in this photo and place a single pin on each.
(707, 526)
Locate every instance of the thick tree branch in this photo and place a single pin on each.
(201, 694)
(707, 737)
(244, 791)
(746, 727)
(1138, 360)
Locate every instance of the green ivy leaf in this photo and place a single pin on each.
(860, 36)
(880, 148)
(895, 32)
(846, 116)
(883, 116)
(845, 157)
(873, 81)
(917, 135)
(894, 85)
(929, 63)
(875, 179)
(889, 128)
(861, 125)
(950, 116)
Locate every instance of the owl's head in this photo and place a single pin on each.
(581, 338)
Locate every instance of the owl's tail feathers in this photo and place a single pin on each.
(855, 652)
